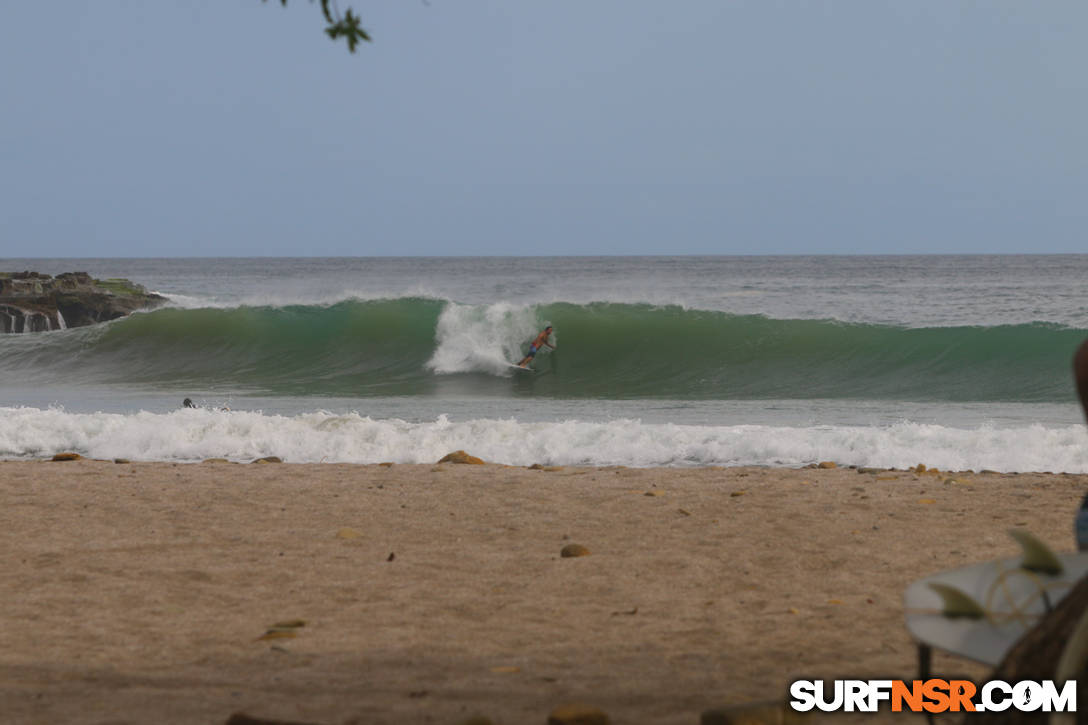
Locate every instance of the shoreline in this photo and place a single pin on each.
(432, 592)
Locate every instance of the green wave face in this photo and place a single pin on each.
(413, 346)
(635, 351)
(360, 348)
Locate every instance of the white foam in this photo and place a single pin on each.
(195, 434)
(482, 338)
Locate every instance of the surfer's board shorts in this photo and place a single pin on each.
(532, 351)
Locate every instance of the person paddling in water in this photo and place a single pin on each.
(540, 341)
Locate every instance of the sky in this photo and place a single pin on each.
(520, 127)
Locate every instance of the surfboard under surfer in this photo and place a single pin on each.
(535, 345)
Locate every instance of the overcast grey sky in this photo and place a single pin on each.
(204, 127)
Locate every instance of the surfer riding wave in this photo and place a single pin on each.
(540, 341)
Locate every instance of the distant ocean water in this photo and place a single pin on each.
(957, 362)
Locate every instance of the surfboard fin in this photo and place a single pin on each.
(1037, 556)
(956, 604)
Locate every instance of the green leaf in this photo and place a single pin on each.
(347, 27)
(956, 603)
(1037, 556)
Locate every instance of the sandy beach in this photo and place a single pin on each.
(140, 592)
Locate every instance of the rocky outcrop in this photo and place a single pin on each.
(460, 457)
(34, 302)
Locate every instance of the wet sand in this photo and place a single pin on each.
(140, 592)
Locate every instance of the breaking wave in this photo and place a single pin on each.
(192, 435)
(411, 345)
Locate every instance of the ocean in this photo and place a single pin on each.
(958, 362)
